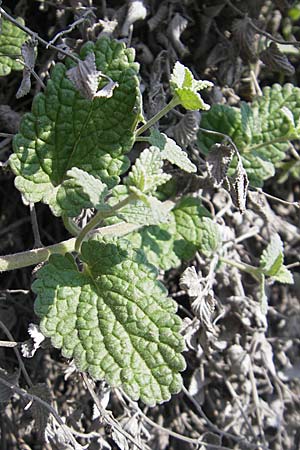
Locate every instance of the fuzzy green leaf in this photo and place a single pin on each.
(284, 275)
(186, 88)
(66, 130)
(272, 257)
(80, 190)
(175, 155)
(147, 173)
(271, 261)
(145, 210)
(261, 133)
(171, 151)
(114, 319)
(189, 229)
(11, 40)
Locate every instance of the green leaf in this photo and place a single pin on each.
(284, 275)
(175, 155)
(272, 257)
(189, 229)
(11, 40)
(271, 261)
(79, 191)
(186, 88)
(261, 133)
(157, 139)
(171, 151)
(145, 210)
(114, 319)
(66, 130)
(147, 173)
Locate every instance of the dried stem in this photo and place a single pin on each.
(36, 36)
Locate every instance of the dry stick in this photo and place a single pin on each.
(178, 436)
(211, 424)
(8, 344)
(46, 405)
(21, 364)
(108, 418)
(36, 36)
(71, 27)
(15, 291)
(258, 30)
(6, 135)
(256, 403)
(237, 400)
(16, 224)
(277, 199)
(32, 72)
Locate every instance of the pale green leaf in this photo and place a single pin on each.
(147, 173)
(271, 259)
(175, 155)
(186, 88)
(66, 130)
(114, 319)
(171, 151)
(11, 40)
(284, 275)
(80, 190)
(145, 210)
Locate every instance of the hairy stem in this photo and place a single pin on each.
(35, 256)
(265, 144)
(174, 102)
(71, 226)
(95, 221)
(39, 255)
(253, 271)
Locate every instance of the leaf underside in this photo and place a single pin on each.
(65, 130)
(261, 124)
(11, 40)
(114, 319)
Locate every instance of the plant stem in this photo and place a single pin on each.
(140, 139)
(271, 142)
(174, 102)
(71, 226)
(39, 255)
(94, 222)
(253, 271)
(35, 256)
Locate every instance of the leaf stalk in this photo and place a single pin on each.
(171, 105)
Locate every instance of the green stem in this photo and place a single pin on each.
(253, 271)
(39, 255)
(174, 102)
(94, 222)
(264, 144)
(71, 226)
(35, 256)
(142, 139)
